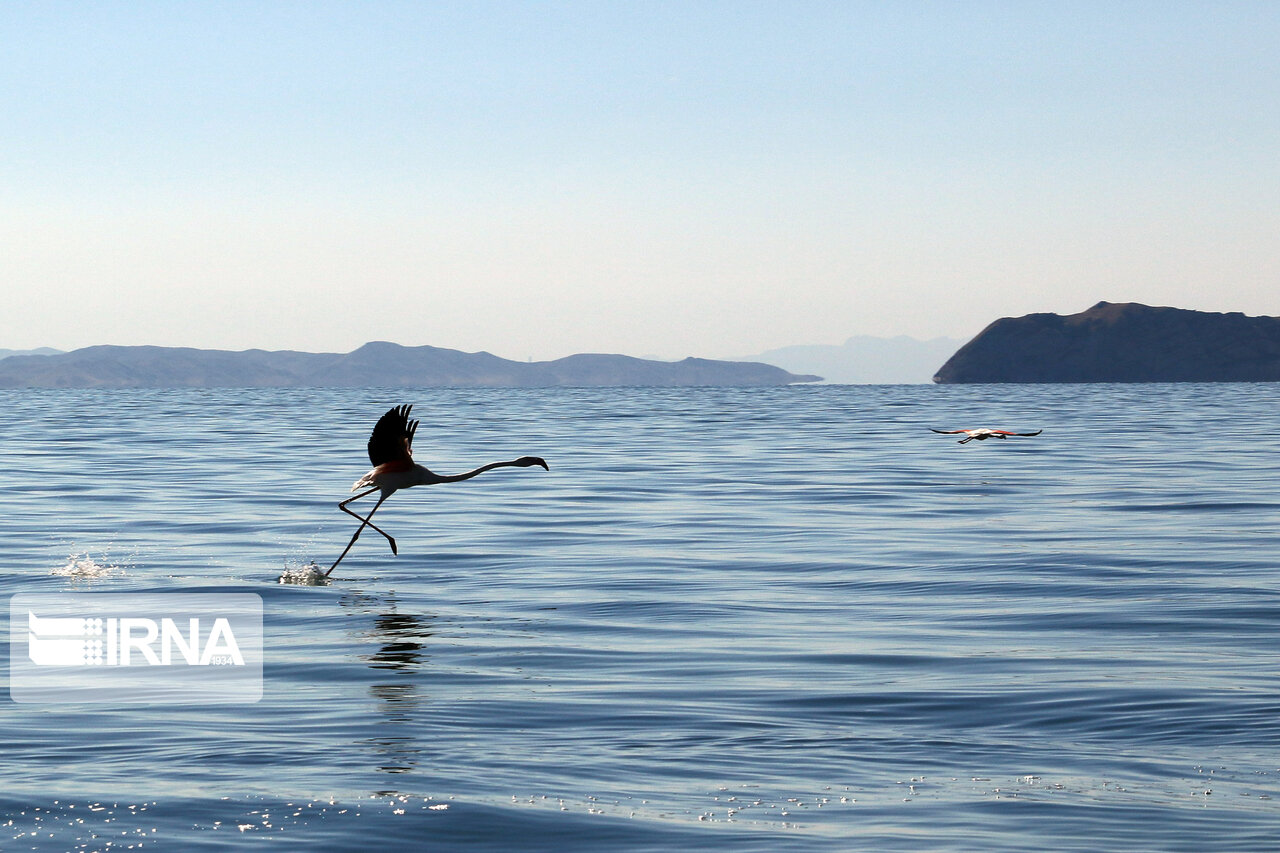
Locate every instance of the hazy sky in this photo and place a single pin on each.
(670, 179)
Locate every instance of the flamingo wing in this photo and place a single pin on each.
(392, 438)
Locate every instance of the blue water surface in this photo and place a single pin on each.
(737, 619)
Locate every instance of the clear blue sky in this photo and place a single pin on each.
(714, 179)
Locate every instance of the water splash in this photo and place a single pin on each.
(308, 575)
(85, 566)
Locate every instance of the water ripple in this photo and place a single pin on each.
(744, 619)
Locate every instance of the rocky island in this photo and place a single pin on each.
(1121, 342)
(377, 363)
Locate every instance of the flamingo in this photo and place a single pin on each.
(390, 451)
(983, 434)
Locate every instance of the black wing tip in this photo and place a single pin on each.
(408, 427)
(401, 414)
(392, 435)
(397, 413)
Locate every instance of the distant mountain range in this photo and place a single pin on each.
(376, 363)
(1110, 342)
(1121, 342)
(863, 359)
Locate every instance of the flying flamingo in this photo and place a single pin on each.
(982, 434)
(390, 451)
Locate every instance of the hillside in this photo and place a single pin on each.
(376, 363)
(1121, 342)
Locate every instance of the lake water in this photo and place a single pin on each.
(734, 619)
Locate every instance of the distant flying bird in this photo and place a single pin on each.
(982, 434)
(390, 451)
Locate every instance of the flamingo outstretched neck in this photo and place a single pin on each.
(391, 452)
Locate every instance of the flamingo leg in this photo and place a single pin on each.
(364, 520)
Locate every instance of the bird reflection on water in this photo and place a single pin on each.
(404, 634)
(400, 648)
